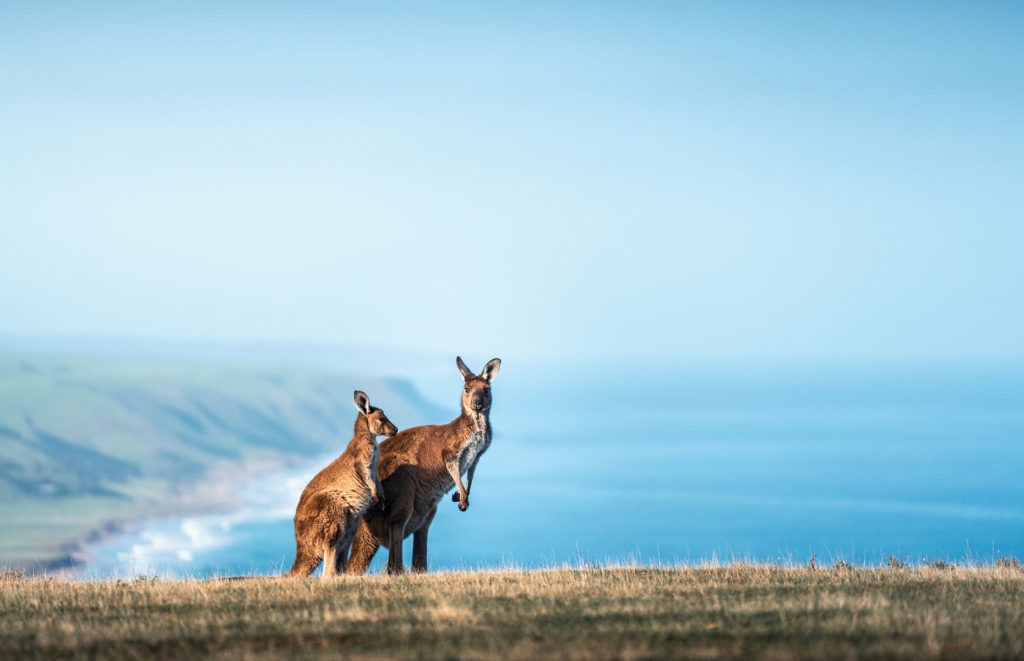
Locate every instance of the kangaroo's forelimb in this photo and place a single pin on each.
(456, 497)
(453, 470)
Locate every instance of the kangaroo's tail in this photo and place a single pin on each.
(305, 562)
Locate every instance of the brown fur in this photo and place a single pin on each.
(336, 498)
(417, 467)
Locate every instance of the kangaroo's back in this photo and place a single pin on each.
(422, 446)
(337, 472)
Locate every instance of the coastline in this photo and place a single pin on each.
(94, 445)
(215, 492)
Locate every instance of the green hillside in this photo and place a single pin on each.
(85, 443)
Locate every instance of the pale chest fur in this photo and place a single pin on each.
(371, 466)
(474, 447)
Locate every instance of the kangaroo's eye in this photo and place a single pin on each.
(466, 390)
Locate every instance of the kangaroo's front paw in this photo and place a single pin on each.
(455, 497)
(380, 504)
(464, 505)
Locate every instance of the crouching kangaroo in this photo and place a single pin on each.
(333, 502)
(417, 467)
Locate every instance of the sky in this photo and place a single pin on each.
(663, 180)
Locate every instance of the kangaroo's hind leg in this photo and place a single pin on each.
(364, 547)
(330, 551)
(342, 547)
(419, 544)
(396, 533)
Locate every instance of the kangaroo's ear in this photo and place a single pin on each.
(362, 402)
(466, 372)
(490, 370)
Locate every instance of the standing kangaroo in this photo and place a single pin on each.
(417, 467)
(332, 503)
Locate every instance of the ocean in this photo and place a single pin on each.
(680, 465)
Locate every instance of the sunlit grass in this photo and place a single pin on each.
(734, 611)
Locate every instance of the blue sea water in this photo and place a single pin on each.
(683, 465)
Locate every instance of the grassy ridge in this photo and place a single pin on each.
(722, 612)
(84, 442)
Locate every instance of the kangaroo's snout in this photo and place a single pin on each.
(476, 391)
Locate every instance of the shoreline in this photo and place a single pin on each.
(94, 445)
(213, 493)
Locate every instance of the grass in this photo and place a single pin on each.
(738, 611)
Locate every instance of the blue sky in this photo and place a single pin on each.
(715, 180)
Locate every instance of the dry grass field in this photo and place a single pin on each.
(738, 611)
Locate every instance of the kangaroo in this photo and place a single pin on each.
(417, 467)
(333, 502)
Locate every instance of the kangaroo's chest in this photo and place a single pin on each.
(371, 467)
(474, 447)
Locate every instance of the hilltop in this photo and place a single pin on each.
(89, 443)
(735, 612)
